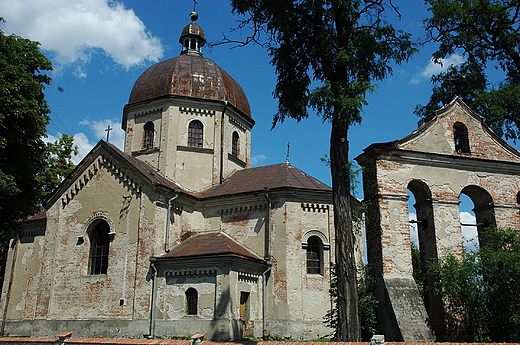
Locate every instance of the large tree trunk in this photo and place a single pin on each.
(348, 327)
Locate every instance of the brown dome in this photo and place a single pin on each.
(189, 75)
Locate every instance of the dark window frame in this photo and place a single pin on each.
(314, 255)
(195, 134)
(235, 144)
(148, 135)
(99, 248)
(192, 301)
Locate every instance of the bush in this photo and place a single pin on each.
(481, 292)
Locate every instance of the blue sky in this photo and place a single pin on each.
(100, 47)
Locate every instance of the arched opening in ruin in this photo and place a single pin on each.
(425, 252)
(468, 223)
(483, 209)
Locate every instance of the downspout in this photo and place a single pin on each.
(222, 142)
(267, 248)
(269, 262)
(264, 298)
(151, 333)
(168, 217)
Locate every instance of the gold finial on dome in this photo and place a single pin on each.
(194, 16)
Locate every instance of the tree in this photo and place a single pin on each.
(484, 32)
(23, 120)
(345, 45)
(58, 164)
(29, 169)
(482, 291)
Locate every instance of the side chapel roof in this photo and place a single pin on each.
(210, 244)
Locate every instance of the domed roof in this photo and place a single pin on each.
(190, 75)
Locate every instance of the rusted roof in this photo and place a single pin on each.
(271, 176)
(209, 244)
(189, 75)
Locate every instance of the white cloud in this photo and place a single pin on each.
(435, 68)
(75, 30)
(469, 233)
(85, 144)
(257, 159)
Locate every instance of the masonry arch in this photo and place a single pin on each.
(427, 245)
(483, 209)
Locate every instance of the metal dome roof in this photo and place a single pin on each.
(189, 75)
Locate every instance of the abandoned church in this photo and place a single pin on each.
(179, 235)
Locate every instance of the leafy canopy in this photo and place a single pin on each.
(482, 291)
(23, 120)
(344, 45)
(486, 33)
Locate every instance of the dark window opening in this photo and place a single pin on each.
(460, 136)
(148, 135)
(195, 134)
(99, 245)
(235, 145)
(314, 255)
(192, 301)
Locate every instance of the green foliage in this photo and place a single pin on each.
(29, 169)
(23, 120)
(418, 273)
(58, 164)
(366, 285)
(484, 32)
(482, 291)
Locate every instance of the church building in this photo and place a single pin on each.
(177, 234)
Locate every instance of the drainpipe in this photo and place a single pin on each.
(222, 142)
(269, 262)
(152, 302)
(268, 225)
(264, 298)
(167, 233)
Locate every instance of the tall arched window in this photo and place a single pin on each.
(235, 145)
(195, 134)
(99, 245)
(148, 135)
(314, 255)
(460, 136)
(192, 302)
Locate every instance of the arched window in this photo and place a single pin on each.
(148, 135)
(192, 298)
(99, 245)
(195, 134)
(314, 255)
(460, 136)
(235, 145)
